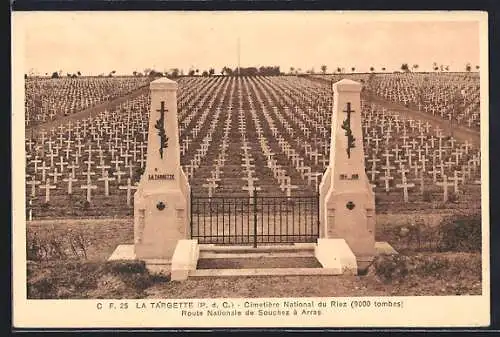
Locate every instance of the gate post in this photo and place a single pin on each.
(318, 209)
(255, 218)
(191, 213)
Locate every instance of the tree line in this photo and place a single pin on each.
(249, 71)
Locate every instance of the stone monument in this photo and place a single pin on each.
(161, 201)
(347, 201)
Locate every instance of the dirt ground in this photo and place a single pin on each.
(415, 274)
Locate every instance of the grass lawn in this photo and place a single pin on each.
(71, 275)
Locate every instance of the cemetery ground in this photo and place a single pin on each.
(67, 260)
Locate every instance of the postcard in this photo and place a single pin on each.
(250, 169)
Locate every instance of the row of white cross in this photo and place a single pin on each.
(283, 130)
(46, 99)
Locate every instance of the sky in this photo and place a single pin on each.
(98, 42)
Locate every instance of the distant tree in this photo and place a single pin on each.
(175, 73)
(339, 70)
(372, 69)
(468, 67)
(191, 72)
(404, 67)
(383, 68)
(211, 71)
(79, 73)
(153, 73)
(447, 68)
(353, 69)
(435, 66)
(323, 69)
(414, 67)
(134, 73)
(205, 73)
(292, 69)
(25, 76)
(197, 71)
(477, 67)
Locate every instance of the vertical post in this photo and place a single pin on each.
(255, 218)
(223, 220)
(238, 56)
(317, 213)
(30, 215)
(191, 210)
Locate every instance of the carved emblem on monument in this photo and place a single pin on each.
(160, 205)
(161, 129)
(348, 132)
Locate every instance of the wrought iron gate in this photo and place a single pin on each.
(255, 220)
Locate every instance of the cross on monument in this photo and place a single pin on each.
(348, 132)
(161, 129)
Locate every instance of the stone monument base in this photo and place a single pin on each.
(184, 260)
(336, 253)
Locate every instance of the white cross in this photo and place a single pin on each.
(251, 188)
(404, 185)
(373, 172)
(47, 188)
(455, 180)
(445, 185)
(129, 189)
(386, 178)
(55, 174)
(70, 181)
(119, 175)
(211, 186)
(44, 169)
(106, 180)
(103, 168)
(35, 161)
(33, 184)
(89, 187)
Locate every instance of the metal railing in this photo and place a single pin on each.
(255, 219)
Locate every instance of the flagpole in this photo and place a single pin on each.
(238, 52)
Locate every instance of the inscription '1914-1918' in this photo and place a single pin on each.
(351, 177)
(161, 177)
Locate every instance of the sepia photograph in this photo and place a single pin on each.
(274, 168)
